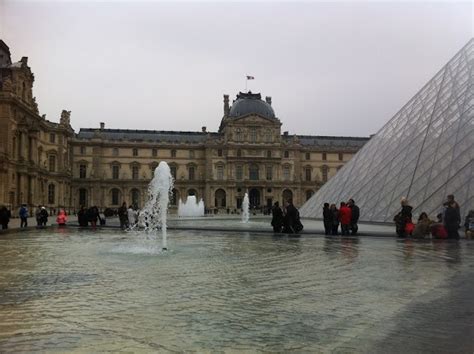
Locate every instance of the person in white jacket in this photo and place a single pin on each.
(132, 217)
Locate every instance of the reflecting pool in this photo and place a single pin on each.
(92, 291)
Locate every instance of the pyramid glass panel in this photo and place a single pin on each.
(423, 153)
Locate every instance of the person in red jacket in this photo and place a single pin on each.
(345, 216)
(62, 218)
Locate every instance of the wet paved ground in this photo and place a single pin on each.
(107, 290)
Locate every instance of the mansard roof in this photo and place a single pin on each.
(143, 135)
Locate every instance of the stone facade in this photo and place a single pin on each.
(35, 156)
(106, 167)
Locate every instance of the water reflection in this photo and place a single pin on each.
(97, 291)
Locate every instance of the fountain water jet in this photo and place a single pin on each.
(191, 207)
(154, 213)
(245, 209)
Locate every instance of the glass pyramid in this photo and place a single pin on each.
(424, 153)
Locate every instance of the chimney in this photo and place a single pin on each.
(226, 105)
(269, 100)
(102, 125)
(204, 129)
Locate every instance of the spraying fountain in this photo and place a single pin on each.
(245, 209)
(191, 207)
(154, 214)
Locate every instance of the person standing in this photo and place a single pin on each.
(355, 213)
(345, 218)
(4, 217)
(23, 215)
(277, 217)
(451, 219)
(43, 216)
(327, 219)
(469, 225)
(131, 215)
(62, 218)
(123, 218)
(403, 217)
(82, 217)
(335, 219)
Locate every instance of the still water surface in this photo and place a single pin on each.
(93, 291)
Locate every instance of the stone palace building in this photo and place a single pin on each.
(47, 163)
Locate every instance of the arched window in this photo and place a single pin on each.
(192, 192)
(51, 194)
(253, 173)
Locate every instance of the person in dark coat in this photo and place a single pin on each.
(403, 218)
(355, 213)
(451, 219)
(93, 215)
(43, 216)
(277, 217)
(4, 217)
(291, 219)
(335, 219)
(123, 216)
(23, 215)
(82, 217)
(328, 219)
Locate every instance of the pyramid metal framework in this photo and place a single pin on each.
(424, 153)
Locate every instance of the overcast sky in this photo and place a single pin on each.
(331, 68)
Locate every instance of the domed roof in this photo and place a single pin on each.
(247, 103)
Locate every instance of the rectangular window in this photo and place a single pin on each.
(253, 173)
(173, 153)
(324, 156)
(191, 173)
(307, 174)
(115, 172)
(239, 175)
(253, 135)
(308, 156)
(269, 154)
(191, 154)
(115, 151)
(82, 171)
(52, 138)
(135, 152)
(83, 150)
(135, 170)
(220, 172)
(52, 163)
(173, 171)
(286, 154)
(341, 156)
(286, 173)
(269, 173)
(51, 193)
(154, 152)
(115, 196)
(219, 152)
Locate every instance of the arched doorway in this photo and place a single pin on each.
(254, 197)
(193, 192)
(287, 195)
(220, 197)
